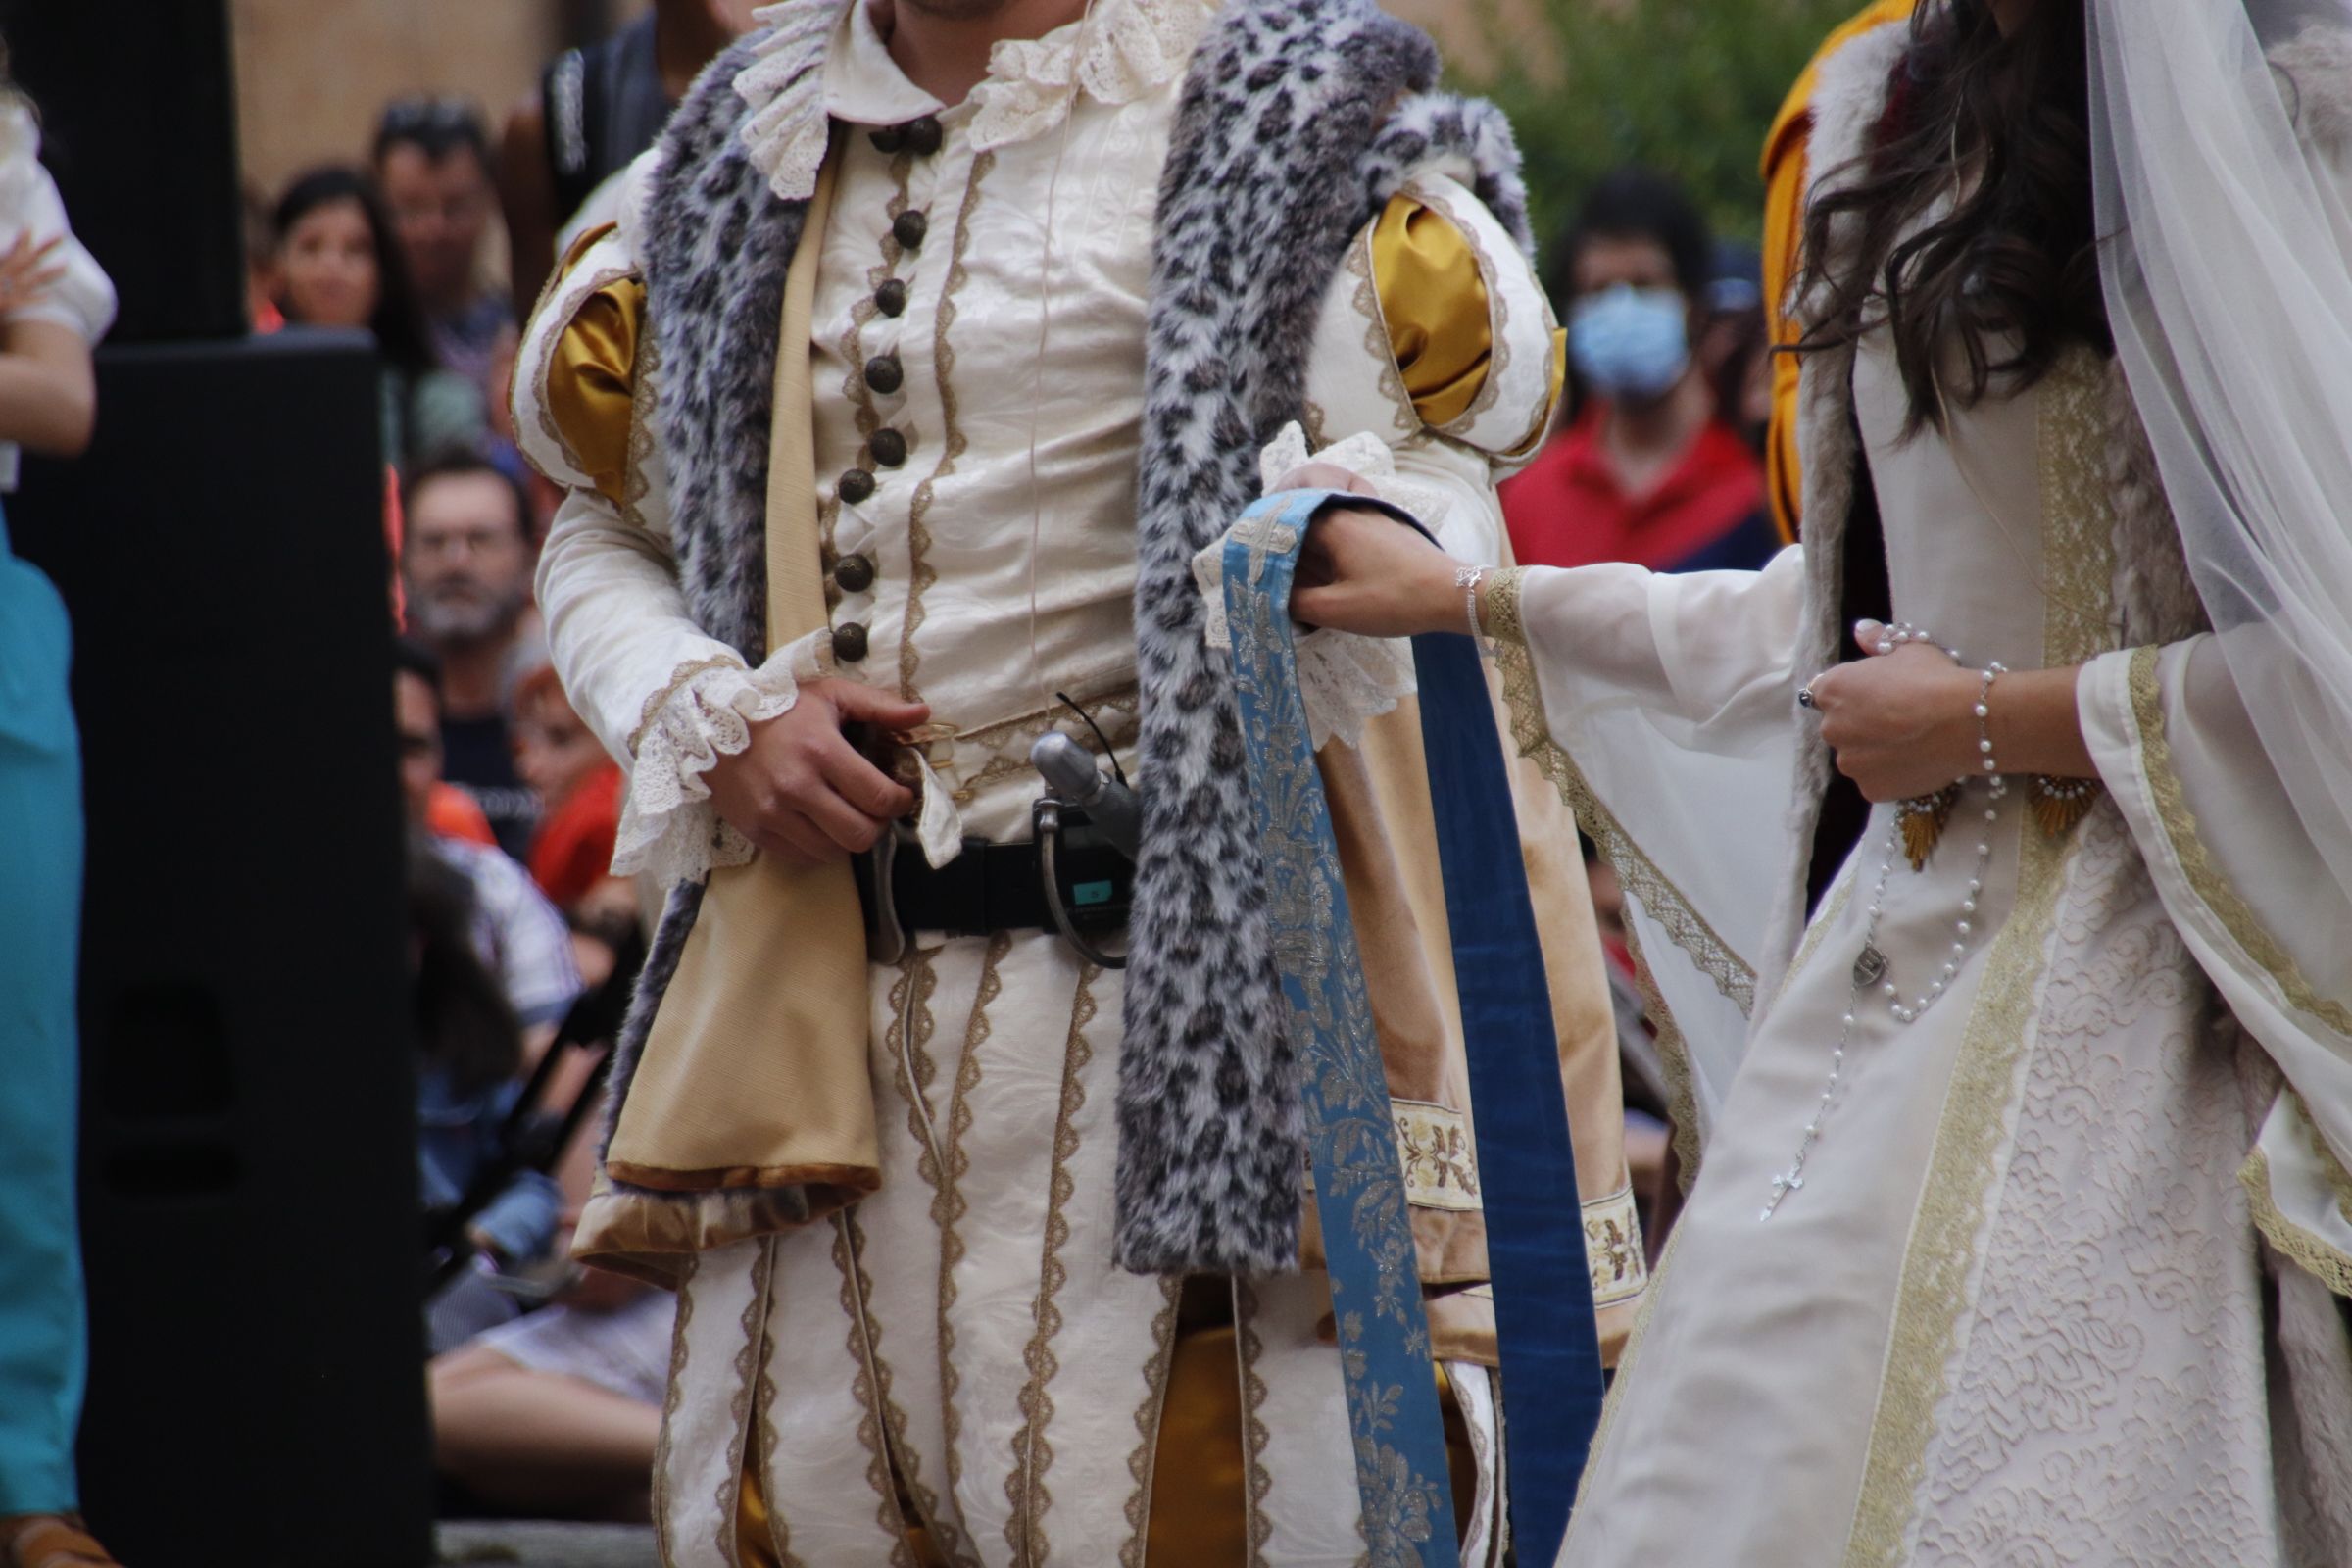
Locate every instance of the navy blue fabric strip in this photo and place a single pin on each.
(1551, 1345)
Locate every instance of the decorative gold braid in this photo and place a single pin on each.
(1499, 606)
(1144, 1462)
(673, 1396)
(2298, 1245)
(865, 1388)
(1033, 1455)
(1961, 1171)
(948, 1208)
(1255, 1436)
(751, 1357)
(1660, 899)
(2238, 918)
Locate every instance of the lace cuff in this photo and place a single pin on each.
(667, 825)
(1346, 679)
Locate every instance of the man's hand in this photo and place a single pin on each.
(801, 789)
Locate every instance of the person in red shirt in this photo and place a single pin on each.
(1649, 471)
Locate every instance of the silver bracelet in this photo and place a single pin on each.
(1467, 579)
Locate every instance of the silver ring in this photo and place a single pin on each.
(1804, 696)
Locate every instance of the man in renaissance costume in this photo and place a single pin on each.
(931, 345)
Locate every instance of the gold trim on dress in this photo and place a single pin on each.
(1660, 899)
(2236, 916)
(2313, 1253)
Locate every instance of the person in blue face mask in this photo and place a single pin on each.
(1649, 471)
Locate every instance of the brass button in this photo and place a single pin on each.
(887, 140)
(891, 298)
(888, 448)
(885, 374)
(923, 136)
(909, 228)
(855, 573)
(856, 487)
(849, 642)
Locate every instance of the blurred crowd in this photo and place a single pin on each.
(547, 1384)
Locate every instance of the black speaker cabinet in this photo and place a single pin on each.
(138, 125)
(249, 1156)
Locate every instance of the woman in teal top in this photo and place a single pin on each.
(54, 303)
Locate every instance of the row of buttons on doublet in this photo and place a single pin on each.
(884, 375)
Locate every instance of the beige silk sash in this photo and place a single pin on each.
(754, 1076)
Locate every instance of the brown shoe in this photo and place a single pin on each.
(50, 1540)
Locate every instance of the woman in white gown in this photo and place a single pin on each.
(2023, 1223)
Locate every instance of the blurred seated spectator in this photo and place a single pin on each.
(517, 932)
(595, 111)
(469, 1051)
(260, 264)
(432, 163)
(465, 561)
(337, 264)
(1649, 472)
(579, 788)
(557, 1413)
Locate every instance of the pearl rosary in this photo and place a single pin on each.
(1871, 964)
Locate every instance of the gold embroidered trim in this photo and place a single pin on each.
(1673, 1060)
(1961, 1171)
(2310, 1252)
(1660, 899)
(2079, 554)
(913, 1027)
(1440, 1166)
(1255, 1436)
(751, 1359)
(1143, 1463)
(1499, 609)
(679, 678)
(1032, 1453)
(643, 368)
(1404, 420)
(948, 1208)
(2238, 918)
(672, 1397)
(920, 575)
(779, 1533)
(1613, 1247)
(864, 1388)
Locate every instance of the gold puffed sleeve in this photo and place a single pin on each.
(1440, 317)
(591, 379)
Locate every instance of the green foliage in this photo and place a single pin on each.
(1687, 87)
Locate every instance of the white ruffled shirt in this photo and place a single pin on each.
(1003, 550)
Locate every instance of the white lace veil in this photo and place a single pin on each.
(2221, 131)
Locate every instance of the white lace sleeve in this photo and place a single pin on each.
(1345, 679)
(668, 827)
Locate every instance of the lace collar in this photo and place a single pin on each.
(824, 59)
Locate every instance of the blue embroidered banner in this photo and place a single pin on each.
(1549, 1347)
(1359, 1181)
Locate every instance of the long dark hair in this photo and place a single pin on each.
(2011, 274)
(398, 321)
(464, 1022)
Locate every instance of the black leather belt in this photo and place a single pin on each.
(995, 887)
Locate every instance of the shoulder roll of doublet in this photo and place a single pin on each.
(581, 399)
(1435, 327)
